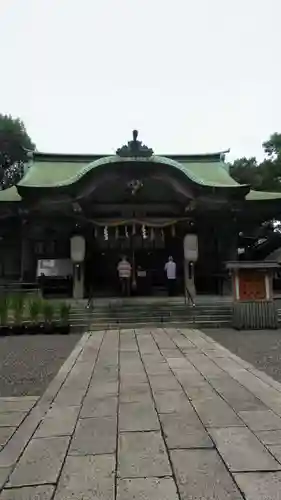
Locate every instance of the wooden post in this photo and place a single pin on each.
(190, 245)
(78, 281)
(77, 251)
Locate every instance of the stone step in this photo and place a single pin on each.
(160, 317)
(107, 313)
(104, 317)
(171, 324)
(148, 310)
(130, 314)
(172, 305)
(108, 323)
(152, 312)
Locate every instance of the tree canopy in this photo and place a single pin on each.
(14, 146)
(263, 176)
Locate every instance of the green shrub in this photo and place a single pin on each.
(35, 308)
(17, 305)
(48, 311)
(64, 312)
(4, 310)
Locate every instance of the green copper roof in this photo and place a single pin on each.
(209, 174)
(51, 171)
(262, 195)
(51, 174)
(204, 172)
(9, 195)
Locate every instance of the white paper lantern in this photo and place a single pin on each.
(77, 248)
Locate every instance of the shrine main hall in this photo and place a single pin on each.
(135, 203)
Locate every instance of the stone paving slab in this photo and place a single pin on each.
(269, 437)
(99, 407)
(41, 462)
(94, 436)
(276, 451)
(9, 455)
(4, 475)
(181, 431)
(29, 493)
(260, 485)
(261, 420)
(242, 451)
(138, 417)
(5, 434)
(87, 478)
(239, 398)
(102, 389)
(214, 412)
(172, 402)
(140, 394)
(147, 489)
(202, 474)
(142, 454)
(164, 383)
(59, 421)
(21, 404)
(12, 418)
(148, 413)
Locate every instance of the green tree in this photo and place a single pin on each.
(14, 146)
(270, 171)
(246, 171)
(272, 147)
(270, 168)
(263, 176)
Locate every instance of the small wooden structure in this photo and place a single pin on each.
(253, 303)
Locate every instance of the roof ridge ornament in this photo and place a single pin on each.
(135, 148)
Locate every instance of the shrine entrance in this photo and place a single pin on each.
(147, 257)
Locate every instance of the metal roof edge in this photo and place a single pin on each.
(76, 157)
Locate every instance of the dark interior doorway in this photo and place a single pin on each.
(148, 276)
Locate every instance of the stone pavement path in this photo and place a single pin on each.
(151, 414)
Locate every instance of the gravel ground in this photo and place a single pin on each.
(261, 348)
(29, 363)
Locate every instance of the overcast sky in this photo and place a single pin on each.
(191, 75)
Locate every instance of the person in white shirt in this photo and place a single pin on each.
(171, 274)
(124, 269)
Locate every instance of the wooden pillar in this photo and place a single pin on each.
(189, 278)
(190, 245)
(27, 267)
(77, 250)
(78, 281)
(227, 237)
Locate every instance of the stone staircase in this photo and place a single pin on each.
(130, 313)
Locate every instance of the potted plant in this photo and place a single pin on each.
(48, 314)
(35, 308)
(64, 317)
(17, 303)
(4, 313)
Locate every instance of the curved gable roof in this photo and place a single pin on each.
(204, 170)
(52, 171)
(10, 195)
(262, 196)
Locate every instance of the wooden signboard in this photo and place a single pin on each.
(252, 285)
